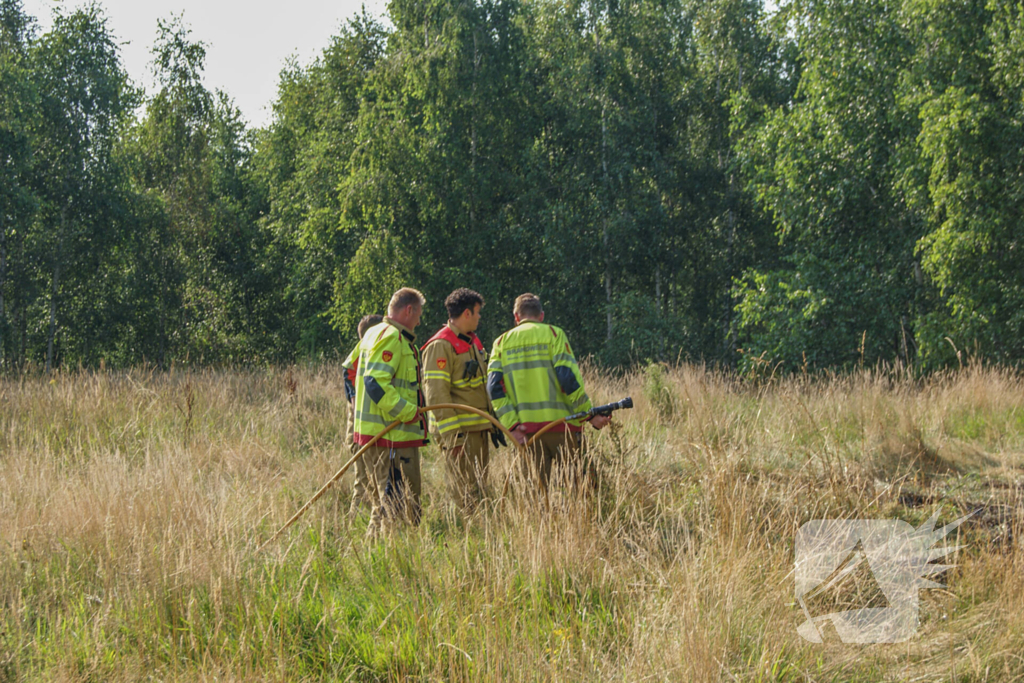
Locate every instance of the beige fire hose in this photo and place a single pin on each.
(344, 468)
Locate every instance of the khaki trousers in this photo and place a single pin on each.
(360, 489)
(467, 458)
(566, 449)
(394, 485)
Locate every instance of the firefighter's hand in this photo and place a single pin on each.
(600, 421)
(519, 434)
(498, 438)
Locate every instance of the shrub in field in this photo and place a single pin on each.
(658, 392)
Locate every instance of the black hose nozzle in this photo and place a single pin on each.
(602, 410)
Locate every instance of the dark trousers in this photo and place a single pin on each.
(567, 450)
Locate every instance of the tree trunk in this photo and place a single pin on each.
(605, 235)
(23, 347)
(53, 291)
(659, 308)
(163, 326)
(19, 329)
(3, 282)
(658, 250)
(472, 135)
(657, 290)
(727, 313)
(727, 341)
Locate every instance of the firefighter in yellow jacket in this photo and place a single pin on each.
(455, 371)
(534, 379)
(388, 389)
(360, 495)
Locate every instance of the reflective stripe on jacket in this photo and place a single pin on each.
(446, 359)
(388, 387)
(534, 378)
(349, 365)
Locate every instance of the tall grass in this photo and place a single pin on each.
(130, 515)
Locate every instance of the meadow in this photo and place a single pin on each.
(132, 505)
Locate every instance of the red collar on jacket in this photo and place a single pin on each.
(459, 341)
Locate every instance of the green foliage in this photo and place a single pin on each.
(379, 267)
(84, 103)
(972, 113)
(826, 185)
(303, 160)
(18, 108)
(217, 276)
(892, 187)
(645, 332)
(828, 168)
(777, 315)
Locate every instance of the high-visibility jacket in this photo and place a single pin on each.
(350, 365)
(454, 371)
(388, 387)
(534, 378)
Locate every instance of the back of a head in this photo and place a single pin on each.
(528, 306)
(367, 322)
(406, 296)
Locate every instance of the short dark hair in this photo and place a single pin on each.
(367, 322)
(528, 305)
(460, 300)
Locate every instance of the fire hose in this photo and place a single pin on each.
(602, 410)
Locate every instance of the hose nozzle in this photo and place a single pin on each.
(602, 410)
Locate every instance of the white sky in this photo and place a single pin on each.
(247, 43)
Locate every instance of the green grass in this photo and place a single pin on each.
(128, 535)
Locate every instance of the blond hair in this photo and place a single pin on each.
(406, 296)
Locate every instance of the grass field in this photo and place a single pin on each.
(132, 504)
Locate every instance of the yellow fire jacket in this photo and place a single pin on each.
(388, 387)
(534, 378)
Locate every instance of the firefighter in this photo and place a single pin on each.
(455, 371)
(534, 379)
(388, 389)
(351, 363)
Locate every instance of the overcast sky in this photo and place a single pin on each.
(247, 42)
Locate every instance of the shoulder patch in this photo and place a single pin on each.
(554, 333)
(441, 363)
(567, 347)
(387, 356)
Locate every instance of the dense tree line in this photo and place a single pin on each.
(826, 184)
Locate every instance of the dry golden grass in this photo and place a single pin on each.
(130, 514)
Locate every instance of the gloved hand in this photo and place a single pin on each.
(498, 438)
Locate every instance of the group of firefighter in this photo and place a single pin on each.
(530, 379)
